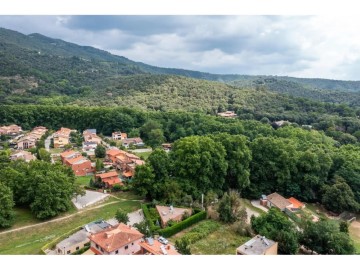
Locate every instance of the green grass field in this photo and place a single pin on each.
(29, 241)
(143, 155)
(83, 180)
(221, 242)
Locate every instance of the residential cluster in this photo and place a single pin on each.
(80, 165)
(62, 137)
(29, 140)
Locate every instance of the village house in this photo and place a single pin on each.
(227, 114)
(171, 213)
(166, 147)
(132, 141)
(127, 162)
(69, 154)
(259, 245)
(112, 153)
(278, 201)
(119, 136)
(79, 239)
(24, 155)
(80, 165)
(61, 137)
(10, 130)
(30, 139)
(117, 240)
(151, 246)
(90, 136)
(26, 142)
(109, 178)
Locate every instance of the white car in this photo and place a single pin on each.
(162, 240)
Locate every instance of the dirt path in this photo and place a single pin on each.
(65, 217)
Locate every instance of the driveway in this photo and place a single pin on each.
(47, 143)
(257, 204)
(134, 217)
(89, 198)
(251, 213)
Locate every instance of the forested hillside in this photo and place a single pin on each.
(39, 69)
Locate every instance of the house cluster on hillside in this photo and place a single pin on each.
(91, 137)
(22, 155)
(124, 161)
(127, 142)
(62, 137)
(29, 140)
(113, 239)
(11, 130)
(109, 179)
(79, 164)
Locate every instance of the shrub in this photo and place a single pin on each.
(116, 187)
(201, 231)
(153, 227)
(169, 231)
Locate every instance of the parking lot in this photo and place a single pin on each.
(89, 198)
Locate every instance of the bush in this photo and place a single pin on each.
(116, 187)
(201, 231)
(170, 231)
(153, 227)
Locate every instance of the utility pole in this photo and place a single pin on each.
(202, 201)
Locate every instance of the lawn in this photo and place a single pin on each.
(221, 242)
(127, 195)
(143, 155)
(29, 241)
(83, 180)
(354, 230)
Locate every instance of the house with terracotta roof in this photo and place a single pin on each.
(61, 137)
(112, 153)
(69, 154)
(151, 246)
(258, 245)
(296, 204)
(10, 130)
(80, 165)
(109, 178)
(118, 135)
(168, 213)
(276, 200)
(132, 141)
(24, 155)
(117, 240)
(90, 136)
(26, 142)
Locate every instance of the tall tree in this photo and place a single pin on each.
(324, 237)
(230, 209)
(100, 151)
(276, 226)
(6, 206)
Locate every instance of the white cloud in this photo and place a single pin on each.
(302, 46)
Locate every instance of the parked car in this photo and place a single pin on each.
(163, 240)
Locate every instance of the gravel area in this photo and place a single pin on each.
(89, 198)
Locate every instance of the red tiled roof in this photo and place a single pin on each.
(295, 202)
(76, 160)
(95, 251)
(113, 152)
(67, 153)
(156, 250)
(107, 175)
(116, 237)
(127, 174)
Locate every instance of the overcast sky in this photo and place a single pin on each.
(300, 46)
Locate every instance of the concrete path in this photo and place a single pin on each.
(47, 143)
(135, 217)
(256, 203)
(141, 150)
(250, 213)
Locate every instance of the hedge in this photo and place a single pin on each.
(170, 231)
(147, 215)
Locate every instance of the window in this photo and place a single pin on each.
(132, 244)
(126, 247)
(117, 252)
(68, 252)
(101, 249)
(77, 248)
(97, 246)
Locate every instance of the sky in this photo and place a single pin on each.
(321, 46)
